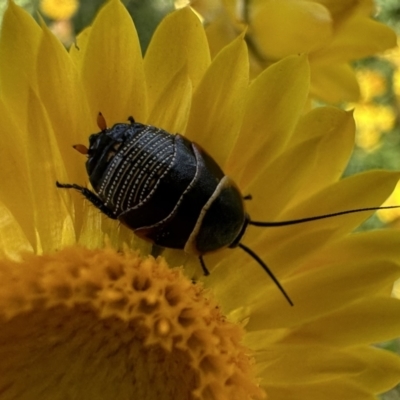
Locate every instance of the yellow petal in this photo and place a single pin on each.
(373, 369)
(383, 369)
(13, 241)
(368, 321)
(289, 246)
(334, 83)
(342, 9)
(97, 230)
(178, 42)
(313, 298)
(77, 50)
(221, 32)
(218, 102)
(345, 194)
(71, 120)
(283, 177)
(91, 234)
(274, 102)
(346, 390)
(357, 38)
(112, 70)
(19, 41)
(319, 364)
(14, 172)
(363, 246)
(337, 129)
(304, 169)
(288, 27)
(52, 217)
(171, 109)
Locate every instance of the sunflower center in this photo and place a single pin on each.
(101, 325)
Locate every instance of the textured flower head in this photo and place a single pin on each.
(81, 320)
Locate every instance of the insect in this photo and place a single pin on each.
(169, 191)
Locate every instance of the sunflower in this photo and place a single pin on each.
(85, 313)
(333, 33)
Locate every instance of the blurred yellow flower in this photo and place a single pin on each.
(59, 9)
(392, 216)
(394, 57)
(372, 84)
(373, 120)
(333, 33)
(81, 321)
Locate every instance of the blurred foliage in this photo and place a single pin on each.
(377, 114)
(146, 15)
(28, 5)
(380, 119)
(383, 136)
(389, 13)
(387, 152)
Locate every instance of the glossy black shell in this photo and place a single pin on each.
(165, 188)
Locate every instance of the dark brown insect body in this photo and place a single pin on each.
(165, 188)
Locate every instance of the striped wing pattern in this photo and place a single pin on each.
(137, 168)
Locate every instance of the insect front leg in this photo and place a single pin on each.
(89, 195)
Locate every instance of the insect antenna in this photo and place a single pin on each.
(293, 222)
(252, 254)
(317, 217)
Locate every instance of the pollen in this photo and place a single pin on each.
(101, 324)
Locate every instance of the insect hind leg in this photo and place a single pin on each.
(90, 196)
(203, 266)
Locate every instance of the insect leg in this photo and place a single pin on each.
(89, 195)
(203, 265)
(252, 254)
